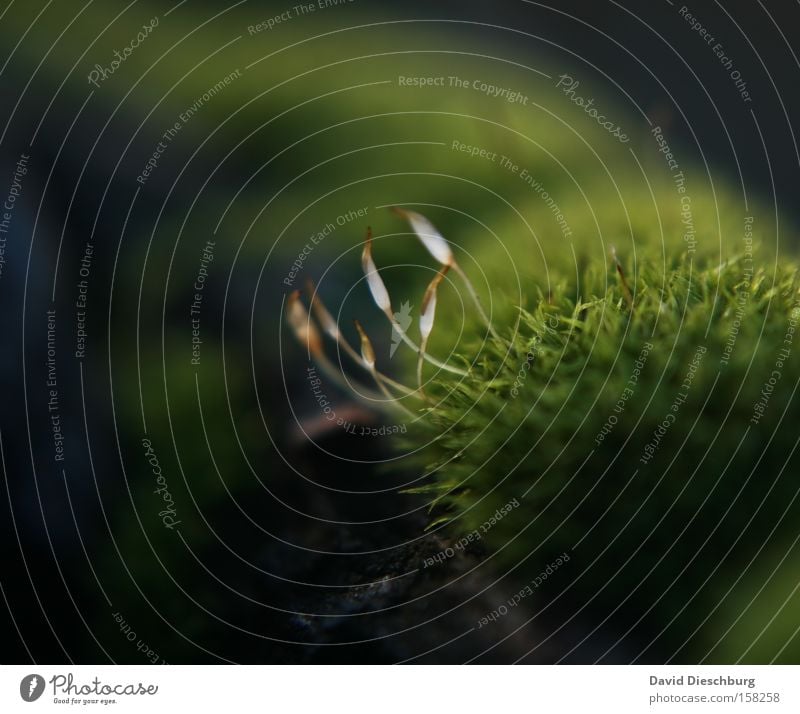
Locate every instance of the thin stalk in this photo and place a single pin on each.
(476, 299)
(330, 328)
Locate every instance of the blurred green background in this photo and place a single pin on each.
(281, 133)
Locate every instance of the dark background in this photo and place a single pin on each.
(74, 549)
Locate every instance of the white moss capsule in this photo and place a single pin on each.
(379, 292)
(367, 351)
(325, 319)
(433, 241)
(428, 311)
(300, 321)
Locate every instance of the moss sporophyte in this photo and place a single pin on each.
(642, 412)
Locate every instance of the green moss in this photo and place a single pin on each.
(655, 444)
